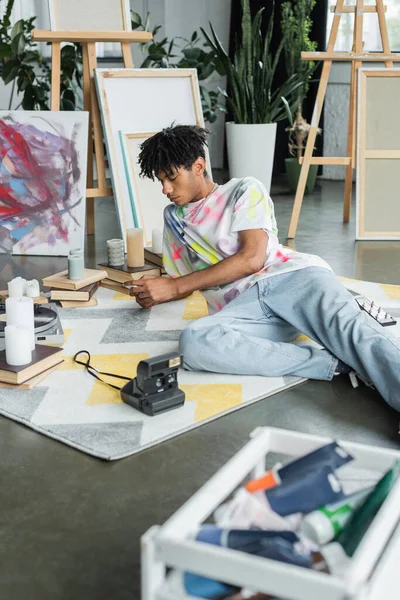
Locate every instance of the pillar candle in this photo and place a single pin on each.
(157, 241)
(76, 267)
(32, 288)
(18, 345)
(135, 247)
(16, 287)
(19, 311)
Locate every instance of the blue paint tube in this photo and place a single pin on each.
(276, 545)
(305, 493)
(331, 455)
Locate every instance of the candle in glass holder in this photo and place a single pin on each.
(76, 266)
(18, 345)
(157, 241)
(16, 287)
(115, 252)
(135, 247)
(19, 311)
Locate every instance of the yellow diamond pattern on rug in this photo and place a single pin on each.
(212, 399)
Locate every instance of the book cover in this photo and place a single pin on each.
(78, 304)
(123, 274)
(43, 358)
(61, 281)
(153, 257)
(115, 286)
(31, 383)
(84, 294)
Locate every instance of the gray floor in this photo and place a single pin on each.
(70, 524)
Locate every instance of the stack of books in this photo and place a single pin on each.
(154, 258)
(75, 293)
(120, 278)
(45, 359)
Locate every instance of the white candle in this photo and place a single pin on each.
(157, 241)
(16, 287)
(135, 247)
(32, 289)
(19, 311)
(18, 345)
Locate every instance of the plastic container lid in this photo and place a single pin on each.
(317, 527)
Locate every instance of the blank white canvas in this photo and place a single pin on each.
(90, 15)
(147, 194)
(140, 104)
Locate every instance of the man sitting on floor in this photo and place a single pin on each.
(223, 240)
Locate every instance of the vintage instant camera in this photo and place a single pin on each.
(155, 387)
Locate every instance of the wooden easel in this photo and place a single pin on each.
(88, 41)
(356, 56)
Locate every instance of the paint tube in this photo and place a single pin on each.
(276, 545)
(322, 525)
(306, 493)
(180, 584)
(331, 454)
(353, 532)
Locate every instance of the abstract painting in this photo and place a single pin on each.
(43, 159)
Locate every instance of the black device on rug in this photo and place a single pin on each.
(375, 311)
(154, 390)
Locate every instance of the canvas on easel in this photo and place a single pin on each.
(147, 199)
(88, 40)
(90, 15)
(137, 100)
(378, 151)
(356, 58)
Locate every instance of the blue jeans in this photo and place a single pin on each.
(252, 335)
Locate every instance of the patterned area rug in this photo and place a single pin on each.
(72, 407)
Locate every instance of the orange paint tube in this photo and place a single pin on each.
(266, 482)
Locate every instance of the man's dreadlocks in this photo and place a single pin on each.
(171, 148)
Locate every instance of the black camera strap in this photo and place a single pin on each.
(95, 373)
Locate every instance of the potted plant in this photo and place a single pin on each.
(253, 96)
(296, 26)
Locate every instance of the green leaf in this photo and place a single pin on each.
(39, 92)
(288, 111)
(164, 63)
(10, 70)
(192, 53)
(206, 97)
(23, 82)
(136, 20)
(17, 29)
(5, 50)
(194, 36)
(18, 44)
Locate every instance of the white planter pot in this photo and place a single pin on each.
(251, 150)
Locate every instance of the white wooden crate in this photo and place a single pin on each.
(373, 574)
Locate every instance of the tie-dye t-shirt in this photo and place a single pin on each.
(205, 232)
